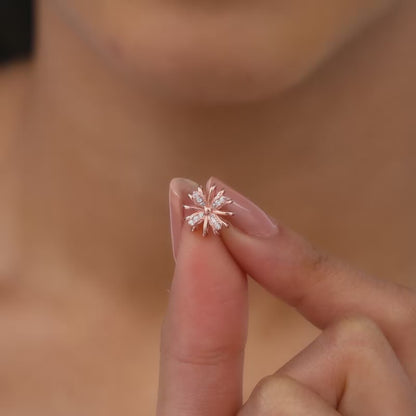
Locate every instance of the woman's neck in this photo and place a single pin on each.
(95, 154)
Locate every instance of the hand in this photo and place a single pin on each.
(362, 364)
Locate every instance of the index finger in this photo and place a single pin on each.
(205, 328)
(320, 287)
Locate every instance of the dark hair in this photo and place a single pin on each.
(16, 29)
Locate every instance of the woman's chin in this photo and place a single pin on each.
(209, 69)
(242, 53)
(207, 79)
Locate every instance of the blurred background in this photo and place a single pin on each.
(16, 26)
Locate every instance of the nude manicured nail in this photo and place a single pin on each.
(178, 194)
(248, 217)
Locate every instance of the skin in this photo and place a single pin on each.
(233, 51)
(362, 363)
(320, 107)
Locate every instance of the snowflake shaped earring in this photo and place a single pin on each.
(208, 210)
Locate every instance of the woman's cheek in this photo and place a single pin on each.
(221, 52)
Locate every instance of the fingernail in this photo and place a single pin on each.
(178, 194)
(248, 217)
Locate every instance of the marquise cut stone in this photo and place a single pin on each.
(197, 198)
(220, 202)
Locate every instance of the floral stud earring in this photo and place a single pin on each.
(208, 210)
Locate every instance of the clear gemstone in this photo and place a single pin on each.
(195, 218)
(197, 198)
(214, 221)
(220, 201)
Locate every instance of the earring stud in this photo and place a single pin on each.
(208, 210)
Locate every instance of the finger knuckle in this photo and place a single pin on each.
(319, 261)
(271, 393)
(356, 333)
(198, 355)
(316, 265)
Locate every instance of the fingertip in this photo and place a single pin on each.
(178, 191)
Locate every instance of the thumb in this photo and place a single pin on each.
(205, 328)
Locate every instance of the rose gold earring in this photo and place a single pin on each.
(208, 210)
